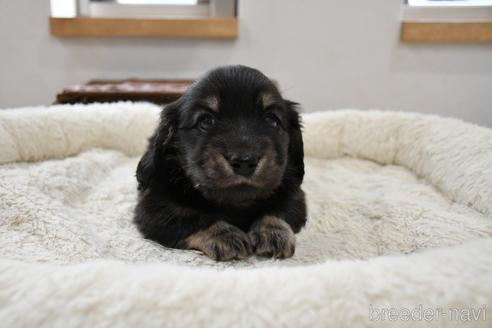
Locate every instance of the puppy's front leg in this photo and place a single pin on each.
(175, 226)
(221, 241)
(273, 234)
(272, 237)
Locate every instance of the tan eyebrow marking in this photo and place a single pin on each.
(267, 99)
(213, 103)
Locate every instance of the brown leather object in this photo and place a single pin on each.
(155, 91)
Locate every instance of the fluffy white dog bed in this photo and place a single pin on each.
(400, 216)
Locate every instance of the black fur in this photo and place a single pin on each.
(187, 178)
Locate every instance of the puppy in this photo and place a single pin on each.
(222, 172)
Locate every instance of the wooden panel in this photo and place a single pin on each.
(221, 28)
(446, 32)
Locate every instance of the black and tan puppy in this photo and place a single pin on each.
(222, 173)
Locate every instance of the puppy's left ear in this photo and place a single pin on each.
(296, 147)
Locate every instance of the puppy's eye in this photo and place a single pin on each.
(272, 120)
(206, 122)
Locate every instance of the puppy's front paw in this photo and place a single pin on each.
(272, 237)
(221, 242)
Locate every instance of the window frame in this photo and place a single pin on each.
(444, 22)
(221, 23)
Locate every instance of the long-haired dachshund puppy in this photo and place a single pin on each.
(223, 170)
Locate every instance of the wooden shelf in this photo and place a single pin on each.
(213, 28)
(446, 32)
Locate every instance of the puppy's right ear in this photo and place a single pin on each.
(296, 147)
(153, 159)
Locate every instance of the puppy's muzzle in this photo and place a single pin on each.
(243, 164)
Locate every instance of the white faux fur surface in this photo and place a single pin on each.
(400, 215)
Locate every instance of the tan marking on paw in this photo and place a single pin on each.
(221, 242)
(272, 237)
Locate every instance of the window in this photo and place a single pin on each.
(154, 2)
(449, 3)
(143, 8)
(448, 10)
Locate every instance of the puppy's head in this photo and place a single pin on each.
(234, 136)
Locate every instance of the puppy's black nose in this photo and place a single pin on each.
(244, 165)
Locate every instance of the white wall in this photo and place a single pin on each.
(326, 54)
